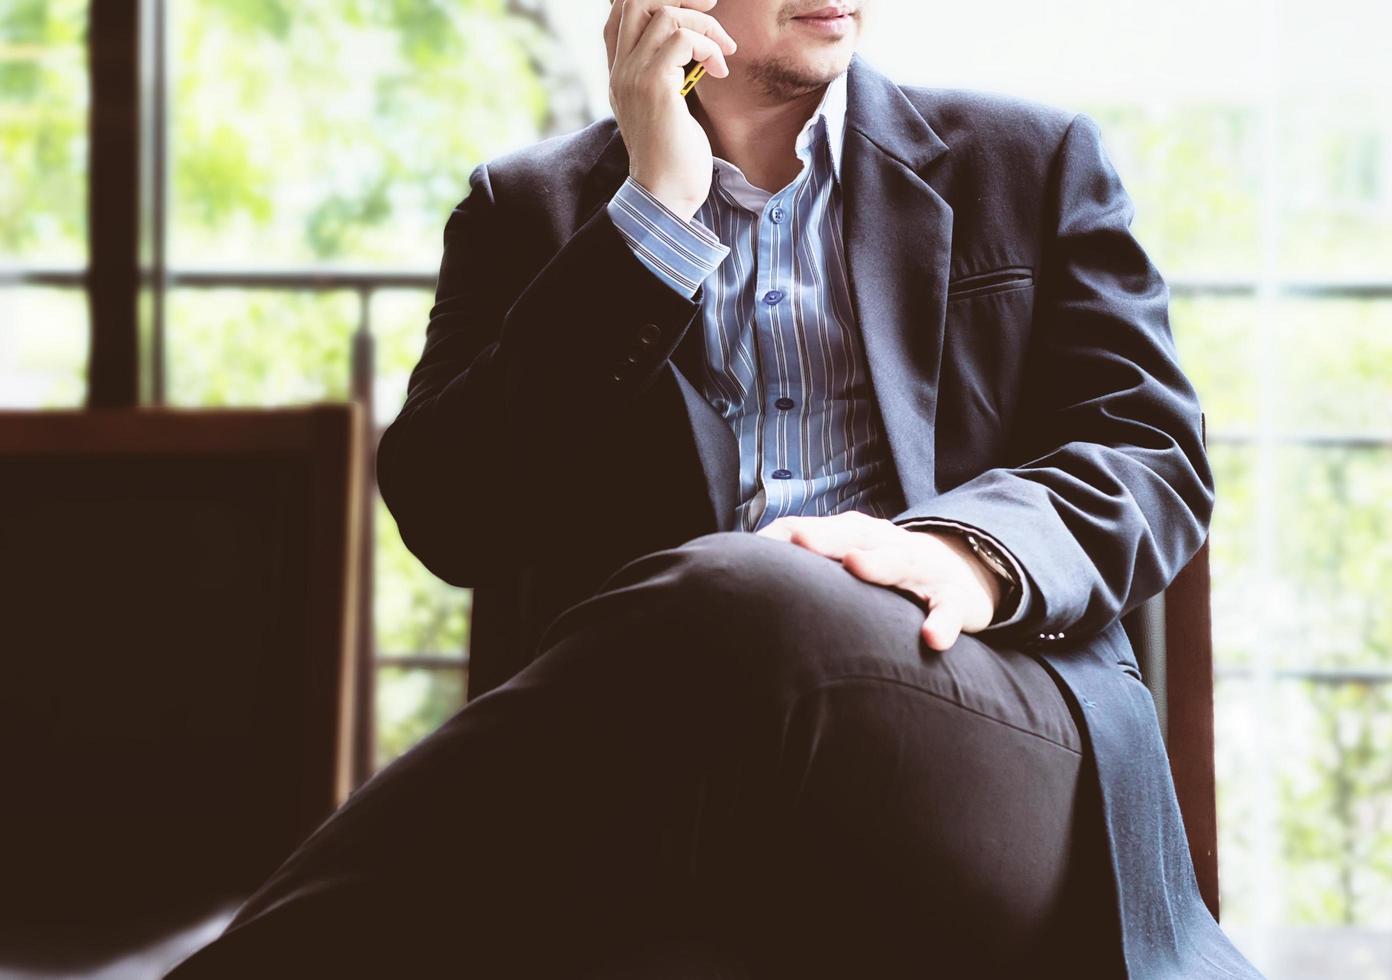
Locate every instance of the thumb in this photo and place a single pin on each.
(944, 623)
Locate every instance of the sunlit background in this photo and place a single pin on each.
(314, 149)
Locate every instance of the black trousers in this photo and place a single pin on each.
(735, 760)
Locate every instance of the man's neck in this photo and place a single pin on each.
(759, 137)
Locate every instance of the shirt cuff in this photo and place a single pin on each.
(681, 253)
(1003, 617)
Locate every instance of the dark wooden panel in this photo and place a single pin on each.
(1189, 695)
(177, 659)
(113, 202)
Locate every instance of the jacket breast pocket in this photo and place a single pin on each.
(1005, 279)
(983, 370)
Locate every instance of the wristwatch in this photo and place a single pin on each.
(992, 558)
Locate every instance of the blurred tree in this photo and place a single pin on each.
(340, 130)
(43, 130)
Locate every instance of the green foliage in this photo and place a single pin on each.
(271, 17)
(411, 704)
(339, 131)
(1192, 170)
(415, 612)
(43, 130)
(240, 347)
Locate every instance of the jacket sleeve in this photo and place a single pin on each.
(512, 396)
(1114, 492)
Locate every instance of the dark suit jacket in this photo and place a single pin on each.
(1020, 352)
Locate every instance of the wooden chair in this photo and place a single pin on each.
(174, 703)
(1173, 638)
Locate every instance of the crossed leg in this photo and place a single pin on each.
(736, 759)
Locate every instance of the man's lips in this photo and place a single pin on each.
(827, 13)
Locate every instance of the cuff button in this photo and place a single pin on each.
(648, 333)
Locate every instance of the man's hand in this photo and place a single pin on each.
(649, 43)
(939, 568)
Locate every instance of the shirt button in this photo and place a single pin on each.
(776, 215)
(784, 403)
(781, 474)
(773, 296)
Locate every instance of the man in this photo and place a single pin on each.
(902, 335)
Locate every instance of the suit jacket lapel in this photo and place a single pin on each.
(898, 247)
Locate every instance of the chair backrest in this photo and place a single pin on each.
(175, 657)
(1172, 636)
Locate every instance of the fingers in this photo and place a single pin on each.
(632, 22)
(882, 553)
(888, 566)
(835, 534)
(944, 622)
(680, 47)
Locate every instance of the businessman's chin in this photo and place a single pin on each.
(785, 77)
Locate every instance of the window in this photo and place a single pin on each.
(297, 162)
(43, 220)
(314, 151)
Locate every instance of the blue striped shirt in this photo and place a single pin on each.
(785, 365)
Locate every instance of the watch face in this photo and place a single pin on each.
(993, 558)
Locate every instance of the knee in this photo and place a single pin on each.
(782, 613)
(737, 567)
(754, 583)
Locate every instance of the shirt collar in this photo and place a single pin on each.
(832, 108)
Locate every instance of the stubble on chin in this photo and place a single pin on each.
(782, 79)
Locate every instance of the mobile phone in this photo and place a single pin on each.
(695, 71)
